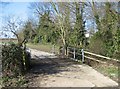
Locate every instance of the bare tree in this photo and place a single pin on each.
(40, 8)
(13, 25)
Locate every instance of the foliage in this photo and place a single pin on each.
(46, 30)
(65, 24)
(19, 81)
(104, 41)
(15, 62)
(28, 31)
(36, 39)
(26, 57)
(12, 58)
(96, 44)
(79, 31)
(117, 44)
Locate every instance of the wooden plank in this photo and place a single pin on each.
(97, 55)
(94, 59)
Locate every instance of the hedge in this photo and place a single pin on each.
(15, 60)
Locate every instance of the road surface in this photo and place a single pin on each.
(50, 71)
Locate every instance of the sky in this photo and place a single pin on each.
(13, 9)
(17, 8)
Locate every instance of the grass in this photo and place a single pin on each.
(110, 71)
(43, 47)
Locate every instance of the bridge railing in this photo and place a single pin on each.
(88, 57)
(75, 54)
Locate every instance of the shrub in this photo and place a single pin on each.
(15, 62)
(12, 60)
(27, 60)
(97, 45)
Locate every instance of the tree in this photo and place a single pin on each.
(78, 33)
(80, 24)
(46, 32)
(107, 26)
(45, 27)
(28, 31)
(61, 24)
(13, 25)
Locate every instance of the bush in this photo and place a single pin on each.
(15, 62)
(27, 60)
(97, 45)
(12, 60)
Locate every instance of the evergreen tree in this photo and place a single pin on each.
(79, 27)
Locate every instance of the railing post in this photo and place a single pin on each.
(67, 52)
(74, 53)
(82, 55)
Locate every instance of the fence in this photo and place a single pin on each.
(88, 57)
(75, 54)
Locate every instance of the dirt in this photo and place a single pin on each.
(48, 70)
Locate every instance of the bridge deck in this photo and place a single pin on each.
(50, 71)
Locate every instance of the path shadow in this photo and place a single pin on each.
(49, 65)
(46, 65)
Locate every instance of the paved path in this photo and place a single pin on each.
(50, 71)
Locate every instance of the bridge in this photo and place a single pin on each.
(49, 70)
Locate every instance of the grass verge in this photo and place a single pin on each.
(110, 71)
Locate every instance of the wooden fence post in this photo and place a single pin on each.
(74, 53)
(82, 55)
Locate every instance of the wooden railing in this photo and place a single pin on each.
(100, 59)
(86, 57)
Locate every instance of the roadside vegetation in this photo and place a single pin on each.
(111, 71)
(15, 63)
